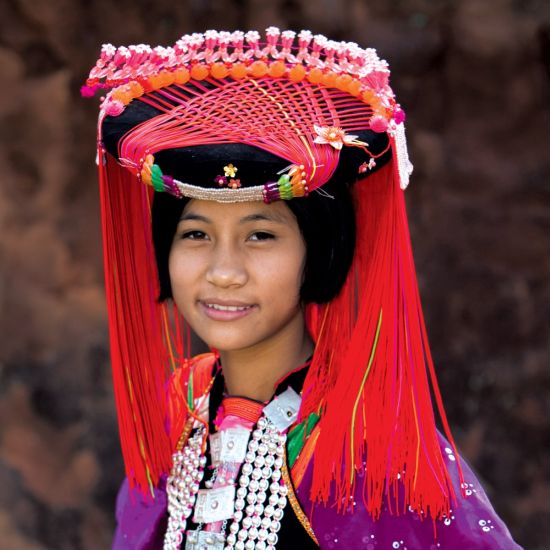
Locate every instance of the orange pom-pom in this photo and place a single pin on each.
(199, 72)
(155, 81)
(315, 75)
(219, 70)
(136, 89)
(181, 76)
(297, 73)
(368, 96)
(277, 69)
(354, 87)
(119, 94)
(167, 78)
(343, 81)
(238, 71)
(258, 69)
(329, 79)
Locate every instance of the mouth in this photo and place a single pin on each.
(225, 311)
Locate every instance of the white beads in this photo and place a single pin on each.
(260, 480)
(182, 487)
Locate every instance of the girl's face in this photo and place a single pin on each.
(236, 271)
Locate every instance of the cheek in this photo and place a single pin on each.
(283, 275)
(183, 271)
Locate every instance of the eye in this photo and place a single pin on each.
(194, 235)
(261, 236)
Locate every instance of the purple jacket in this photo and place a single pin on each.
(473, 523)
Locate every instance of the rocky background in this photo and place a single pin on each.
(474, 79)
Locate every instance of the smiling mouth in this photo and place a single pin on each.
(227, 308)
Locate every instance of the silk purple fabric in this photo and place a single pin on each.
(473, 523)
(141, 521)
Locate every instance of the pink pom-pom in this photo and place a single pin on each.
(399, 115)
(378, 124)
(113, 107)
(87, 91)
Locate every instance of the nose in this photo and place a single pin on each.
(226, 268)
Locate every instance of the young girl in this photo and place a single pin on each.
(258, 187)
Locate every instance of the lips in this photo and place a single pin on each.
(222, 310)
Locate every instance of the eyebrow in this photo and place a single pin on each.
(250, 218)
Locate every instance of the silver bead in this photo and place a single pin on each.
(256, 521)
(247, 522)
(275, 526)
(244, 481)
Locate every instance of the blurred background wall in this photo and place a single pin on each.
(473, 77)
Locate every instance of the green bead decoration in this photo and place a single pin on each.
(156, 178)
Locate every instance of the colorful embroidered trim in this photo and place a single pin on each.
(289, 186)
(300, 514)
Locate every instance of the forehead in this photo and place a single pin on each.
(277, 212)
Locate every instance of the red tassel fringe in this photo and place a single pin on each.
(137, 325)
(370, 372)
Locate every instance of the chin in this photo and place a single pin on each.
(225, 341)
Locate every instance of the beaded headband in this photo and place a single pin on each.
(308, 91)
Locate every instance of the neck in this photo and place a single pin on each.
(253, 372)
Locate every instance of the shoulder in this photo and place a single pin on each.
(473, 523)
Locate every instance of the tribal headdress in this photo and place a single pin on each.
(233, 117)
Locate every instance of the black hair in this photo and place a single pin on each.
(326, 220)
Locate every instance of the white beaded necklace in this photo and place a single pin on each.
(254, 524)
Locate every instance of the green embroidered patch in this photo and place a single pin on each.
(297, 437)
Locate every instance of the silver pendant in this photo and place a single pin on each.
(283, 410)
(214, 504)
(204, 540)
(229, 445)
